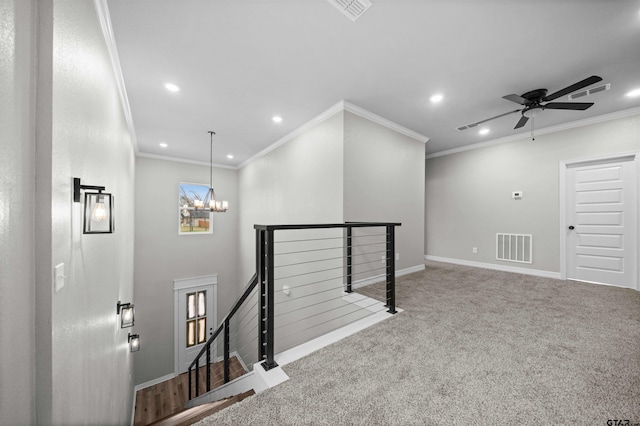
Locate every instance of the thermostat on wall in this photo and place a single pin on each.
(516, 195)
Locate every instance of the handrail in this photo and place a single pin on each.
(264, 275)
(326, 225)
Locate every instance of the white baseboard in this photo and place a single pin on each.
(380, 278)
(153, 382)
(503, 268)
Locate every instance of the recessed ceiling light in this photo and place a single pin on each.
(277, 119)
(634, 93)
(436, 98)
(163, 145)
(171, 87)
(230, 156)
(484, 131)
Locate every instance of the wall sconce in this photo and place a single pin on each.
(134, 342)
(126, 312)
(98, 208)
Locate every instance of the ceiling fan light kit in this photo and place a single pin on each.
(536, 101)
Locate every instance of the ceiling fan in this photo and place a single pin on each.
(533, 102)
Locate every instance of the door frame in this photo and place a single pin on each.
(562, 203)
(180, 284)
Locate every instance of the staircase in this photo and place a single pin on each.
(321, 263)
(164, 403)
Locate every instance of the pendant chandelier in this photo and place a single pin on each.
(210, 200)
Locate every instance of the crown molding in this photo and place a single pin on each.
(566, 126)
(297, 132)
(184, 160)
(348, 106)
(338, 107)
(102, 10)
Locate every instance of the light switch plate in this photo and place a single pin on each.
(58, 277)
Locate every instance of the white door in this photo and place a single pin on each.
(194, 319)
(602, 222)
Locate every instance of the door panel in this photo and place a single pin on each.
(602, 208)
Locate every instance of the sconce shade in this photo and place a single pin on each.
(127, 314)
(98, 208)
(134, 342)
(98, 213)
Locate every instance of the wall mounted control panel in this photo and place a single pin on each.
(516, 195)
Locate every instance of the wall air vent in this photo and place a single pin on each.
(583, 93)
(514, 247)
(353, 9)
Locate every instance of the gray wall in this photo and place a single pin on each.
(161, 255)
(17, 184)
(344, 168)
(468, 194)
(82, 365)
(383, 182)
(91, 365)
(299, 182)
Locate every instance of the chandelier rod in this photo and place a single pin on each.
(211, 133)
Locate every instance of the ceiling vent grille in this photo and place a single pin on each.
(583, 93)
(353, 9)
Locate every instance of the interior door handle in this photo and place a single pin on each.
(571, 227)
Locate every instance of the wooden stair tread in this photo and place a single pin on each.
(165, 399)
(195, 414)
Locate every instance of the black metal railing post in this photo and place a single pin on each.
(189, 383)
(349, 265)
(197, 376)
(270, 362)
(208, 368)
(226, 351)
(262, 278)
(391, 269)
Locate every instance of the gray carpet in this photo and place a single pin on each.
(473, 347)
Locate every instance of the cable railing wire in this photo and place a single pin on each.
(250, 323)
(299, 331)
(324, 301)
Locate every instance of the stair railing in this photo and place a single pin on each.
(265, 276)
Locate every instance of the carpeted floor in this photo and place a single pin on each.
(473, 347)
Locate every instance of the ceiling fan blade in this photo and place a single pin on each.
(523, 120)
(570, 89)
(515, 98)
(492, 118)
(577, 106)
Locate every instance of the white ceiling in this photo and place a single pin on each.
(240, 62)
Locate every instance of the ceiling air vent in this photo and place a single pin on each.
(583, 93)
(353, 9)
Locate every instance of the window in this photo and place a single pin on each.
(190, 220)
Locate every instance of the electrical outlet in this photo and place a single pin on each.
(475, 250)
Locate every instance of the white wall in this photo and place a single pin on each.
(299, 182)
(468, 194)
(161, 255)
(17, 184)
(383, 182)
(83, 365)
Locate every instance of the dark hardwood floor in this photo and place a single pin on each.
(168, 398)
